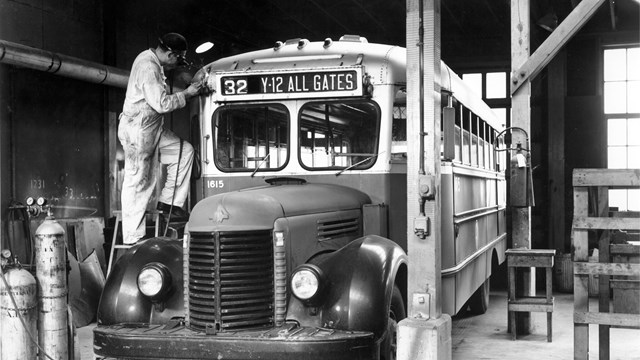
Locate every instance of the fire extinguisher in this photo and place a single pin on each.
(18, 311)
(520, 174)
(51, 275)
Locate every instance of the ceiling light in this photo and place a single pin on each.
(205, 46)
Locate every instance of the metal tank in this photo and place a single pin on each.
(18, 304)
(51, 275)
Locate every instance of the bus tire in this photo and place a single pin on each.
(479, 301)
(397, 312)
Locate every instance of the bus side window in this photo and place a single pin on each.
(399, 133)
(458, 133)
(466, 136)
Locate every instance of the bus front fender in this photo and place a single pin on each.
(359, 281)
(122, 302)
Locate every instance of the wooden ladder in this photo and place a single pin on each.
(115, 244)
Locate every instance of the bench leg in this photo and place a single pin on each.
(512, 324)
(549, 326)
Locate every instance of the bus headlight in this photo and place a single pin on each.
(306, 282)
(154, 281)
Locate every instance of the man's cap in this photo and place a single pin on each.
(174, 42)
(177, 44)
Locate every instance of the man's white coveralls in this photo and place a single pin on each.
(146, 143)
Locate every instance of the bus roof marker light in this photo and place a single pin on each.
(302, 43)
(327, 43)
(278, 45)
(354, 38)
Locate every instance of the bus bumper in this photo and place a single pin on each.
(288, 342)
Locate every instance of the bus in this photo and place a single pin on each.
(297, 244)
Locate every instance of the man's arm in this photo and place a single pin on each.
(154, 89)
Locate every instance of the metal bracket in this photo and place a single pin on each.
(422, 227)
(420, 305)
(427, 187)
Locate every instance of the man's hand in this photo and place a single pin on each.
(193, 89)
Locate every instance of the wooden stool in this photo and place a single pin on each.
(529, 258)
(114, 242)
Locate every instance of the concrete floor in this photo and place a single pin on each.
(486, 337)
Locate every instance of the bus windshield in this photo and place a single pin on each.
(250, 137)
(338, 135)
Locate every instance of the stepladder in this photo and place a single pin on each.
(116, 241)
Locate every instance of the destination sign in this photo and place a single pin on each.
(295, 84)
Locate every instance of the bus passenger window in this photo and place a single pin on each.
(466, 137)
(339, 135)
(399, 133)
(249, 137)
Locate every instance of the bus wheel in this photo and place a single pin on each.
(389, 344)
(479, 301)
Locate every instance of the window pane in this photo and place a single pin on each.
(501, 113)
(617, 157)
(633, 63)
(617, 132)
(634, 200)
(458, 142)
(615, 97)
(473, 81)
(633, 96)
(618, 199)
(633, 131)
(248, 137)
(465, 147)
(496, 85)
(634, 157)
(338, 135)
(615, 64)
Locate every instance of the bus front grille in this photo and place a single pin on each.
(230, 281)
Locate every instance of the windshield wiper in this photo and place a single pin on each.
(359, 162)
(261, 162)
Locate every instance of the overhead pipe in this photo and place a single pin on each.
(62, 65)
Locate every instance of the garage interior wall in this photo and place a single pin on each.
(52, 127)
(57, 135)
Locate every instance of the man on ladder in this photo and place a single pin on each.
(145, 141)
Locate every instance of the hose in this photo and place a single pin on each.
(24, 325)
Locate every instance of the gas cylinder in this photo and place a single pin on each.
(16, 339)
(51, 277)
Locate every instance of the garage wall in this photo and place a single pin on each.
(51, 127)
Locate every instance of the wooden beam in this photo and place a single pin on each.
(424, 253)
(558, 38)
(606, 177)
(521, 117)
(605, 223)
(557, 90)
(426, 332)
(627, 320)
(614, 269)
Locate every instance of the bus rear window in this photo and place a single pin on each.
(250, 137)
(339, 135)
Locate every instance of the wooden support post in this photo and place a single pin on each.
(557, 89)
(521, 117)
(528, 69)
(426, 333)
(580, 281)
(604, 337)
